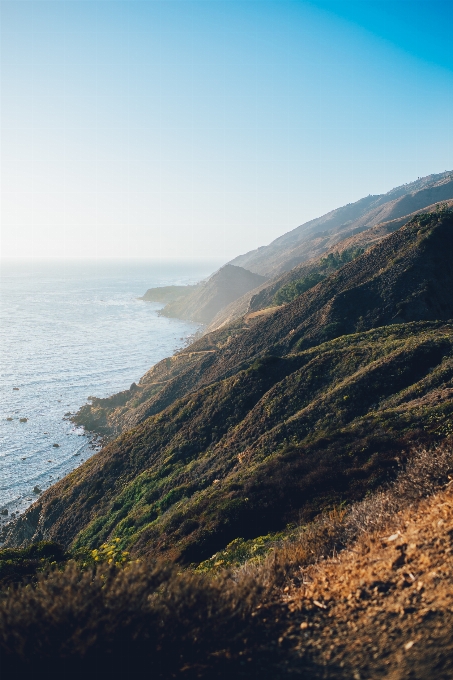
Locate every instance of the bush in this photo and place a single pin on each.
(113, 620)
(292, 290)
(19, 564)
(110, 621)
(328, 264)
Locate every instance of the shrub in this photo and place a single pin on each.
(328, 264)
(292, 290)
(111, 622)
(19, 564)
(114, 621)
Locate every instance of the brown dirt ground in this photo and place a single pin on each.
(385, 608)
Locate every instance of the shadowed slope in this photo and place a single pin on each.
(206, 299)
(271, 445)
(406, 277)
(272, 425)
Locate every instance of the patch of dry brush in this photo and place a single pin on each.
(381, 607)
(385, 608)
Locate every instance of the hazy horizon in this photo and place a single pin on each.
(204, 129)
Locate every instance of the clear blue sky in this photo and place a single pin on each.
(177, 128)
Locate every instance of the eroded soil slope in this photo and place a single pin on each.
(385, 608)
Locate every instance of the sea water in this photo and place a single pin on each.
(68, 331)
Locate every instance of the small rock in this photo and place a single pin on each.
(304, 625)
(56, 446)
(4, 511)
(36, 489)
(319, 604)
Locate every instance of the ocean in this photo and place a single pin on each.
(70, 330)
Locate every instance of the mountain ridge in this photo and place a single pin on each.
(216, 355)
(201, 303)
(295, 246)
(274, 421)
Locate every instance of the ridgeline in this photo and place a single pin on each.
(260, 504)
(270, 423)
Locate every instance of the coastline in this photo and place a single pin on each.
(106, 338)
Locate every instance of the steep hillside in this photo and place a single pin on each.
(385, 609)
(363, 591)
(364, 240)
(405, 277)
(274, 424)
(205, 300)
(313, 237)
(264, 295)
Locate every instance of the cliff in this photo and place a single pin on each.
(202, 302)
(167, 294)
(270, 420)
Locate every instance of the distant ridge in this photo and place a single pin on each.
(310, 238)
(202, 302)
(263, 296)
(166, 294)
(249, 282)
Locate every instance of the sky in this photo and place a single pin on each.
(204, 129)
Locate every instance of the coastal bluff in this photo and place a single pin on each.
(167, 294)
(202, 302)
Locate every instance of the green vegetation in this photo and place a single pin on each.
(328, 264)
(240, 551)
(336, 260)
(17, 565)
(276, 423)
(277, 443)
(265, 448)
(115, 619)
(292, 290)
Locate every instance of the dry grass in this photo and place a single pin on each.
(385, 608)
(424, 473)
(114, 622)
(72, 621)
